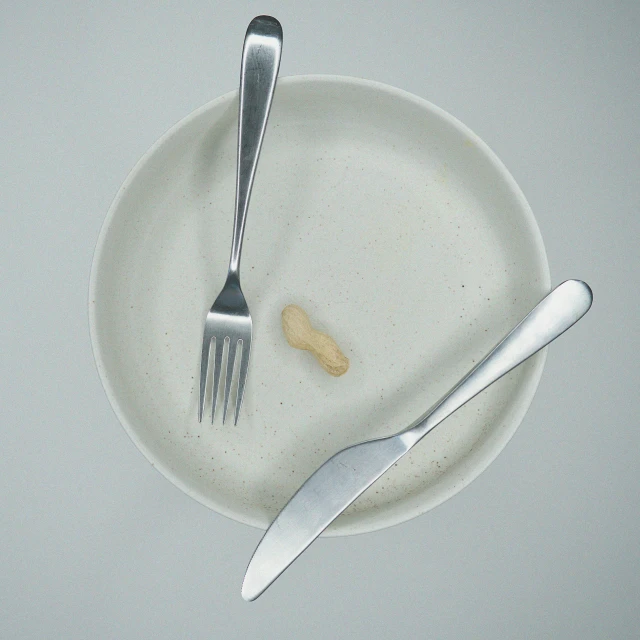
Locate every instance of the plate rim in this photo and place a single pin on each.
(532, 228)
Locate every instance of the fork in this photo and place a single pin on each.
(229, 320)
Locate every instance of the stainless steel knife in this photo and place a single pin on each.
(340, 480)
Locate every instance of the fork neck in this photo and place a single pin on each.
(233, 277)
(242, 204)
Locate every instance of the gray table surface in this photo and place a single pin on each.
(96, 544)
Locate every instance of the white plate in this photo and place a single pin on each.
(391, 223)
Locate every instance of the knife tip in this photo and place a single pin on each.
(250, 590)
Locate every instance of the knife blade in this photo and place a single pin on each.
(321, 499)
(347, 474)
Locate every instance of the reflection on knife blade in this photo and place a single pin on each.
(320, 500)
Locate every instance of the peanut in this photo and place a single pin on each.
(301, 335)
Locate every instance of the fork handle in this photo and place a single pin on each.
(558, 311)
(260, 63)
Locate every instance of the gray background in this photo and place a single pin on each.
(96, 544)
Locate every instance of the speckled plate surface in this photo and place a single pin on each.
(391, 223)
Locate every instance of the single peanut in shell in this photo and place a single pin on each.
(301, 335)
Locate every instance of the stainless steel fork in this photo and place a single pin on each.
(229, 320)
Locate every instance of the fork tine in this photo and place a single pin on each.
(216, 373)
(204, 368)
(231, 359)
(242, 374)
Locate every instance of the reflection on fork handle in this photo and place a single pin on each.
(258, 74)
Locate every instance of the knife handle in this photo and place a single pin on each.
(558, 311)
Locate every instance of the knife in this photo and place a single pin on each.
(340, 480)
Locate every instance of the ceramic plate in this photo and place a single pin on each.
(391, 223)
